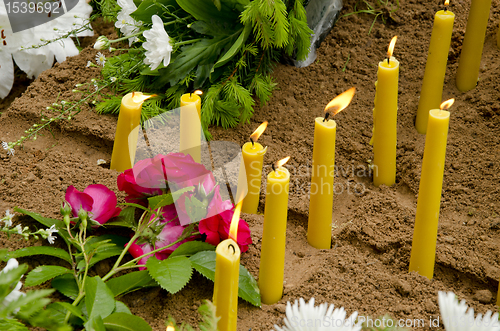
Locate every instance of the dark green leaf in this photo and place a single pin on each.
(69, 307)
(167, 199)
(148, 8)
(171, 274)
(98, 298)
(66, 284)
(245, 32)
(217, 4)
(43, 273)
(41, 250)
(205, 10)
(125, 219)
(30, 303)
(204, 263)
(125, 322)
(130, 282)
(192, 247)
(112, 245)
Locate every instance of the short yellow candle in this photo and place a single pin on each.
(253, 158)
(435, 68)
(127, 130)
(272, 254)
(190, 125)
(319, 227)
(385, 121)
(472, 48)
(423, 249)
(227, 274)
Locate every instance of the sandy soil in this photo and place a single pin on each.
(367, 268)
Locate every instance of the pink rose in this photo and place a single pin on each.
(98, 200)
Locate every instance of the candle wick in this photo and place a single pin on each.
(234, 250)
(327, 114)
(253, 142)
(274, 167)
(388, 62)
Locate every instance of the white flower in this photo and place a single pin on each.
(19, 229)
(125, 22)
(157, 44)
(112, 79)
(100, 59)
(305, 317)
(456, 317)
(101, 43)
(5, 146)
(15, 294)
(89, 63)
(8, 218)
(50, 231)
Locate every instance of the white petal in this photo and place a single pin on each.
(6, 73)
(34, 62)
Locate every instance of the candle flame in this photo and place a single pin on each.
(258, 132)
(340, 102)
(138, 97)
(198, 92)
(281, 162)
(447, 104)
(390, 50)
(233, 228)
(447, 3)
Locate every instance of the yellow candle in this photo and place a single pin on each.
(253, 158)
(423, 249)
(272, 254)
(472, 48)
(227, 274)
(385, 121)
(127, 129)
(190, 125)
(319, 227)
(435, 69)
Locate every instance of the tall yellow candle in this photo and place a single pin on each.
(227, 274)
(190, 125)
(272, 254)
(472, 48)
(423, 249)
(385, 121)
(319, 227)
(435, 68)
(127, 129)
(253, 158)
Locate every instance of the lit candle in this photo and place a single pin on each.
(435, 69)
(127, 130)
(190, 125)
(385, 120)
(253, 158)
(423, 249)
(319, 228)
(472, 48)
(227, 274)
(272, 254)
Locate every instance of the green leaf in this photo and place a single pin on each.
(192, 247)
(98, 298)
(30, 303)
(130, 282)
(204, 263)
(171, 274)
(43, 273)
(245, 32)
(125, 322)
(148, 8)
(97, 324)
(66, 284)
(48, 222)
(125, 219)
(217, 4)
(41, 250)
(120, 307)
(10, 324)
(112, 245)
(195, 209)
(167, 199)
(205, 10)
(69, 307)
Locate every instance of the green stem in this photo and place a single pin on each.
(180, 43)
(125, 38)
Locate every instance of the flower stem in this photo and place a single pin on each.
(180, 43)
(125, 37)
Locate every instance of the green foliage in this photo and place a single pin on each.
(40, 250)
(379, 8)
(43, 273)
(171, 274)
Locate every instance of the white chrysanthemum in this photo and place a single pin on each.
(34, 61)
(15, 294)
(456, 316)
(100, 59)
(125, 22)
(305, 317)
(157, 44)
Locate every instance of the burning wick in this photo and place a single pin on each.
(446, 104)
(197, 92)
(280, 163)
(446, 4)
(339, 103)
(390, 50)
(234, 250)
(257, 133)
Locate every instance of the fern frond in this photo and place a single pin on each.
(109, 106)
(263, 87)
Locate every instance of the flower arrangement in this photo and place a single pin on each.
(182, 217)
